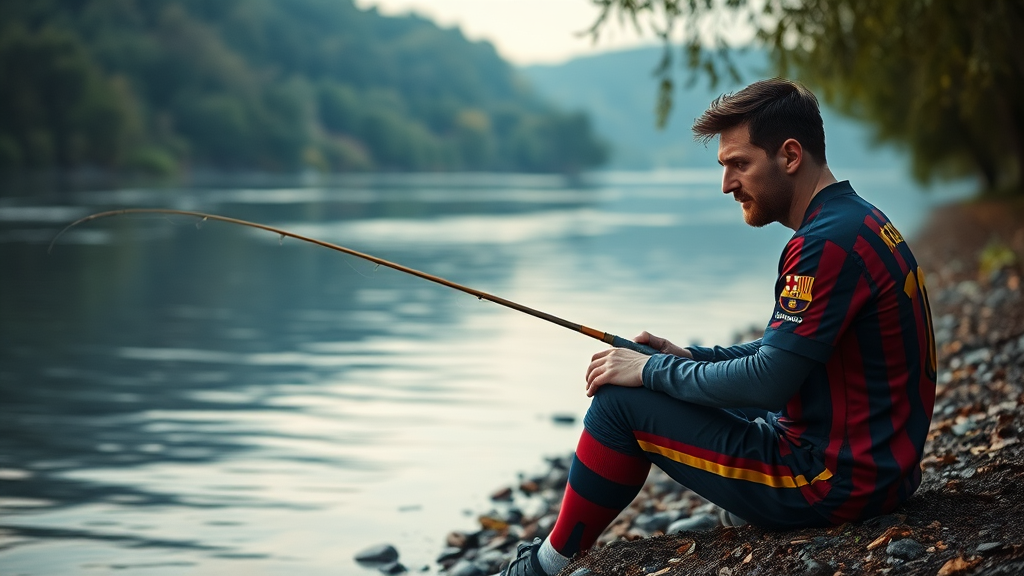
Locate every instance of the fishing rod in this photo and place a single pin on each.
(605, 337)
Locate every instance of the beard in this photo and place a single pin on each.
(772, 203)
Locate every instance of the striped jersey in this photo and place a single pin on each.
(851, 296)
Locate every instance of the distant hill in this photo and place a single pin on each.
(277, 85)
(618, 90)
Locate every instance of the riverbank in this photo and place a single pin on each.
(959, 522)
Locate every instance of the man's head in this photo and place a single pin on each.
(770, 133)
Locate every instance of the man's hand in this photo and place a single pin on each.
(617, 366)
(662, 345)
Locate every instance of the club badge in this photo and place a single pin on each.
(796, 294)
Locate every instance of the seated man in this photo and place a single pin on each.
(821, 421)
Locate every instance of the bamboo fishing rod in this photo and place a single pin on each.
(605, 337)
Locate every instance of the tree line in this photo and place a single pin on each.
(158, 86)
(940, 78)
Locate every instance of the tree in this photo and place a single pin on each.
(944, 79)
(279, 85)
(59, 110)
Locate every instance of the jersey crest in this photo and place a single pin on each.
(796, 293)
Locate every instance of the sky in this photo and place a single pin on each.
(523, 31)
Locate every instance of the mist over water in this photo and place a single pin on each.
(194, 397)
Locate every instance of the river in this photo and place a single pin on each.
(186, 397)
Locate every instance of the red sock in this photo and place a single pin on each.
(602, 482)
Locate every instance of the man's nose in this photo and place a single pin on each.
(729, 184)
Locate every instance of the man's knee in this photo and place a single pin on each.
(609, 418)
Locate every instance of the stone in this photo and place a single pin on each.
(905, 549)
(814, 568)
(976, 357)
(491, 561)
(502, 495)
(529, 487)
(557, 479)
(393, 568)
(545, 524)
(461, 540)
(964, 427)
(697, 523)
(449, 554)
(651, 523)
(379, 554)
(498, 542)
(644, 522)
(465, 568)
(989, 547)
(563, 418)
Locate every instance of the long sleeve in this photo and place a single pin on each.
(766, 379)
(718, 353)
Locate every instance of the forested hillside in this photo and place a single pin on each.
(277, 85)
(619, 91)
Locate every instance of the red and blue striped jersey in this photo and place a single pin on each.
(851, 296)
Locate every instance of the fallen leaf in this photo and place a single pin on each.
(887, 536)
(1000, 443)
(686, 548)
(957, 566)
(488, 523)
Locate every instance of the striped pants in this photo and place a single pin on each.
(730, 457)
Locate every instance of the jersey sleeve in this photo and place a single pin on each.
(766, 379)
(820, 290)
(719, 353)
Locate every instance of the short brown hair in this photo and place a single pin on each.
(775, 110)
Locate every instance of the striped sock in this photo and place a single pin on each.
(602, 482)
(550, 560)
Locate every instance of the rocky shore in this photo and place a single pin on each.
(965, 518)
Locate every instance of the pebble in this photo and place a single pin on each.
(964, 427)
(393, 568)
(976, 357)
(905, 549)
(490, 561)
(461, 540)
(449, 554)
(986, 547)
(546, 524)
(563, 418)
(379, 554)
(465, 568)
(503, 495)
(814, 568)
(654, 522)
(698, 523)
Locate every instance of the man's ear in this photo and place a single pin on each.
(790, 156)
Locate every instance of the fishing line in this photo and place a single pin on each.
(605, 337)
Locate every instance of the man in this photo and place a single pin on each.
(821, 421)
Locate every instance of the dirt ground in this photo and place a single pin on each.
(968, 515)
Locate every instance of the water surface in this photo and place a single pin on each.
(194, 397)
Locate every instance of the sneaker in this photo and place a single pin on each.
(526, 562)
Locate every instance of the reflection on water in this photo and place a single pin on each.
(200, 399)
